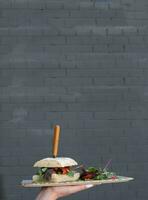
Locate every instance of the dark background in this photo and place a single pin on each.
(83, 65)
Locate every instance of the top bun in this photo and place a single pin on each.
(55, 162)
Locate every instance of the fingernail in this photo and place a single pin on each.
(89, 186)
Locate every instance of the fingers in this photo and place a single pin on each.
(63, 190)
(73, 189)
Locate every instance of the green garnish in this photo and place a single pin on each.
(41, 171)
(92, 169)
(38, 179)
(44, 169)
(93, 173)
(70, 173)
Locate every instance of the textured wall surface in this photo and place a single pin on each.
(84, 65)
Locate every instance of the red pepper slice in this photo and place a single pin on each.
(114, 177)
(65, 170)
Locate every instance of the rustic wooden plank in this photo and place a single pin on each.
(120, 179)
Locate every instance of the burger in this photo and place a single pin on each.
(55, 170)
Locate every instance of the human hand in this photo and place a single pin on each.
(53, 193)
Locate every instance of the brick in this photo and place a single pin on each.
(68, 49)
(101, 4)
(90, 29)
(9, 153)
(35, 106)
(66, 31)
(83, 13)
(108, 123)
(36, 40)
(71, 4)
(38, 5)
(89, 57)
(79, 22)
(70, 116)
(54, 5)
(119, 115)
(11, 142)
(99, 72)
(99, 40)
(99, 97)
(15, 170)
(6, 4)
(88, 106)
(9, 161)
(16, 4)
(108, 81)
(88, 5)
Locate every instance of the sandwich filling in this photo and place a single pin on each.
(55, 174)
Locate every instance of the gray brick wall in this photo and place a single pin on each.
(82, 64)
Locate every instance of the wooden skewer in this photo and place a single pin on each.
(55, 141)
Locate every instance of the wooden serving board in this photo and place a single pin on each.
(119, 179)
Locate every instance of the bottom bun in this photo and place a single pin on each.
(59, 178)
